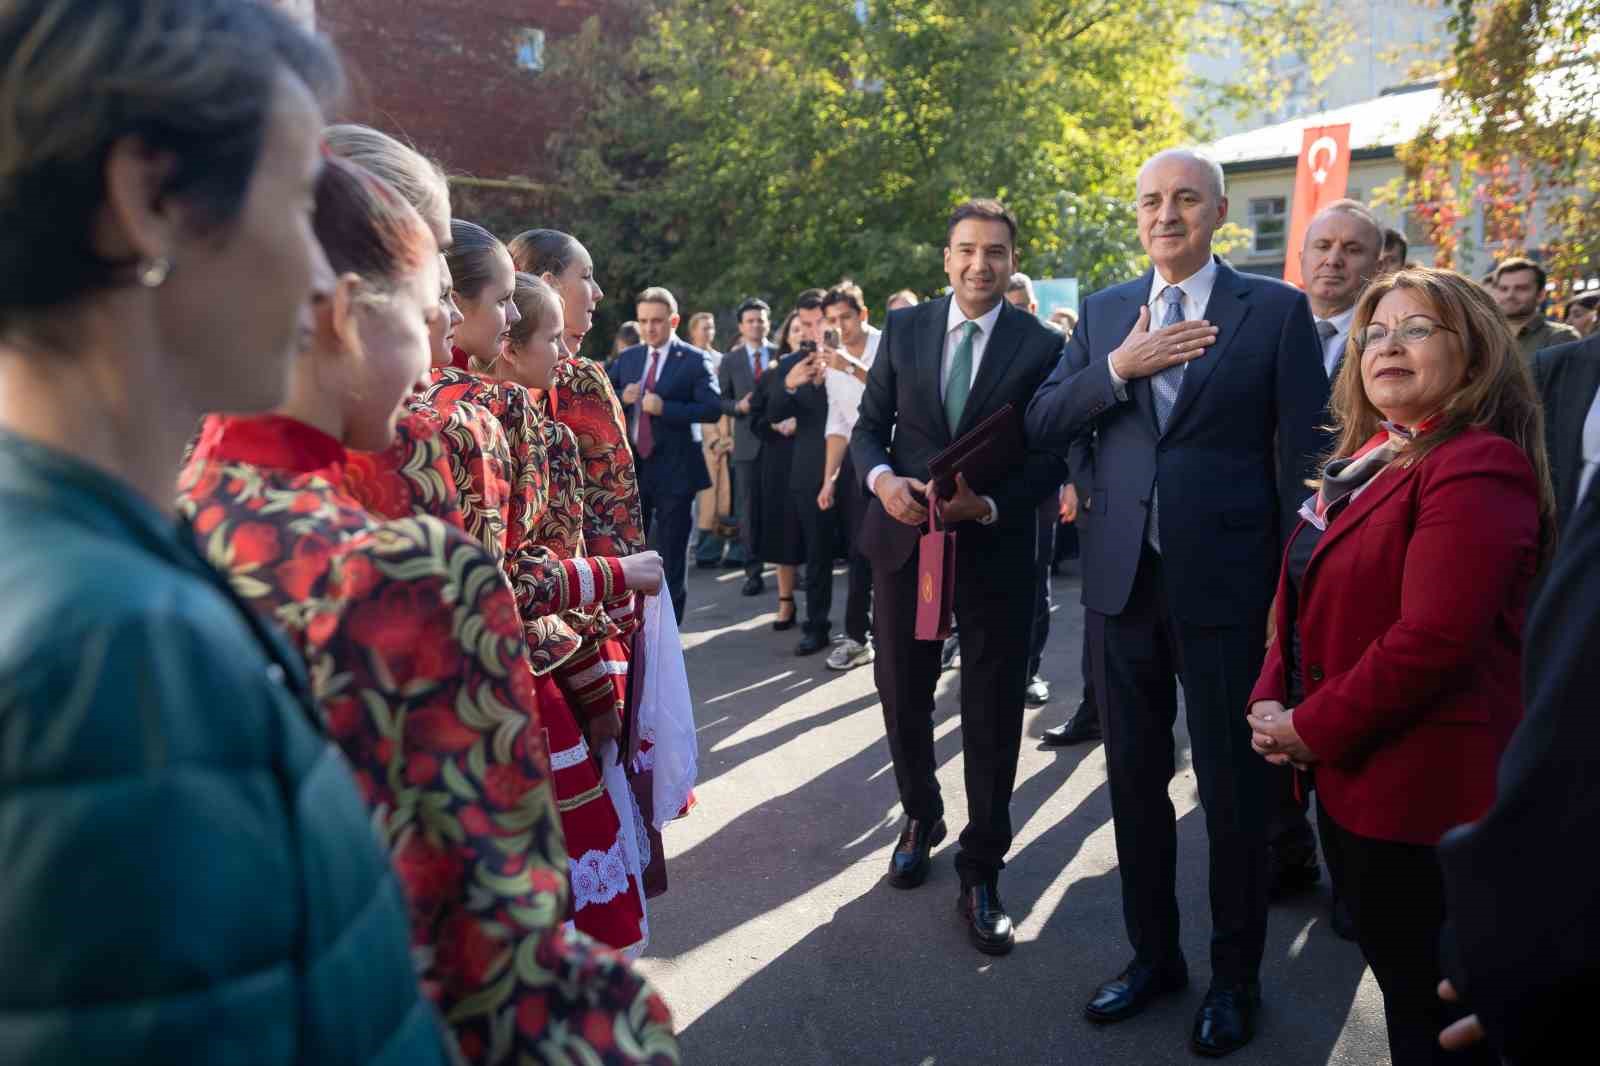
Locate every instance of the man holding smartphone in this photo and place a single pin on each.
(849, 347)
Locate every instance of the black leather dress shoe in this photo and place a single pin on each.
(1291, 871)
(1082, 727)
(753, 586)
(988, 924)
(811, 643)
(1132, 991)
(1227, 1020)
(908, 866)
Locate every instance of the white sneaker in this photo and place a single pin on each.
(847, 655)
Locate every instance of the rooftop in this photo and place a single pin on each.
(1376, 127)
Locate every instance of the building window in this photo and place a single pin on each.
(1269, 219)
(530, 50)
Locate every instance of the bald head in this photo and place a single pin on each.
(1181, 203)
(1188, 157)
(1340, 256)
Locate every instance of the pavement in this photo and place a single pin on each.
(778, 941)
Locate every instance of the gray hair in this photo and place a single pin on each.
(1194, 155)
(1351, 209)
(1020, 282)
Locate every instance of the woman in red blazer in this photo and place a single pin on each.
(1395, 672)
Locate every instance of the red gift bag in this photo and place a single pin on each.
(936, 579)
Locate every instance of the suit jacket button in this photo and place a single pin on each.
(1315, 673)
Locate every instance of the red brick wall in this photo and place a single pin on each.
(442, 74)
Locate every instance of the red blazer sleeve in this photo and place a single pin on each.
(1472, 547)
(1273, 684)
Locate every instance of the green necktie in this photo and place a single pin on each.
(960, 384)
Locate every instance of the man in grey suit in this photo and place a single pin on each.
(1204, 390)
(741, 368)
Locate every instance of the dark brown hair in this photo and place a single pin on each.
(846, 292)
(991, 210)
(1496, 394)
(471, 255)
(1516, 263)
(367, 228)
(194, 80)
(543, 251)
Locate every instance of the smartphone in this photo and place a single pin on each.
(830, 338)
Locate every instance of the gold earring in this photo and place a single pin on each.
(153, 273)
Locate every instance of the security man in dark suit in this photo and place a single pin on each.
(1204, 390)
(1568, 376)
(941, 368)
(666, 386)
(741, 368)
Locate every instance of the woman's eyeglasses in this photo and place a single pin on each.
(1410, 331)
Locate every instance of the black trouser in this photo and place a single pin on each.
(819, 529)
(1137, 657)
(1044, 556)
(1396, 898)
(746, 506)
(1288, 829)
(669, 518)
(850, 499)
(992, 608)
(1050, 533)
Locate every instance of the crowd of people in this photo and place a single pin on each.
(327, 555)
(325, 558)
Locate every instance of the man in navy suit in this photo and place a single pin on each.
(1203, 391)
(666, 387)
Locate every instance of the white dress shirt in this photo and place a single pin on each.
(954, 322)
(1334, 348)
(1196, 296)
(845, 391)
(1591, 447)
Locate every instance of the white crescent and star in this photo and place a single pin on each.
(1319, 174)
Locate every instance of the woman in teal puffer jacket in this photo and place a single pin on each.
(189, 872)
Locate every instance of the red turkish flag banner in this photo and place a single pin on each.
(1320, 178)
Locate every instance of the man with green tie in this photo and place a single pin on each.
(942, 368)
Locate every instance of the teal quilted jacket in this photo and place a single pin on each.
(187, 874)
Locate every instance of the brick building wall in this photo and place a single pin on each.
(459, 78)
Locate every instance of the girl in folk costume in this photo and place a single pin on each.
(549, 461)
(417, 659)
(581, 398)
(452, 466)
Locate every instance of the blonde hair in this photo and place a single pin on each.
(1497, 392)
(535, 301)
(411, 174)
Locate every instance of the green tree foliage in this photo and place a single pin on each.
(743, 147)
(1519, 123)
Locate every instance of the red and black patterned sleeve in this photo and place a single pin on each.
(613, 525)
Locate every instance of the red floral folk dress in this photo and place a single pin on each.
(587, 684)
(583, 400)
(416, 652)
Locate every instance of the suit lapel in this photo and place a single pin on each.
(1578, 397)
(997, 362)
(1134, 296)
(930, 359)
(1226, 310)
